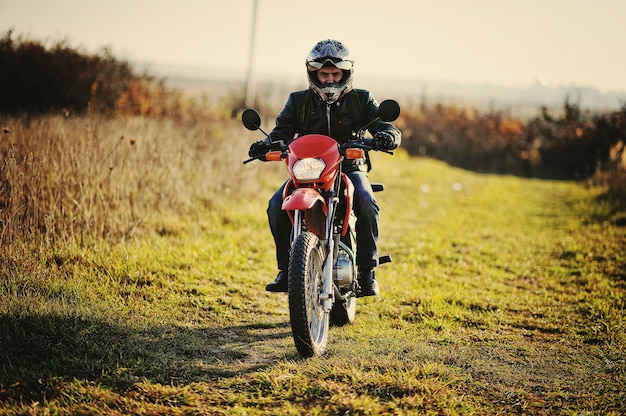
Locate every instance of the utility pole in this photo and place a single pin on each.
(250, 84)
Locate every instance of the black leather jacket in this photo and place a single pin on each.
(289, 123)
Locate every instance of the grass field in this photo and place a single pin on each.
(505, 296)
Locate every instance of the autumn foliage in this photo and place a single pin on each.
(59, 79)
(572, 145)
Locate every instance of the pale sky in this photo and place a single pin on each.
(497, 42)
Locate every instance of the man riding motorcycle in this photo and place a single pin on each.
(331, 106)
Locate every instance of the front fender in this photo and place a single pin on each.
(303, 199)
(313, 205)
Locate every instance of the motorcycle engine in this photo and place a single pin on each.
(343, 270)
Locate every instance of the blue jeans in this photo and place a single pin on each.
(365, 208)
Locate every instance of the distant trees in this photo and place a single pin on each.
(37, 79)
(574, 145)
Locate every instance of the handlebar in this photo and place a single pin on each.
(365, 143)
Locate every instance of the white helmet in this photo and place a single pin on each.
(330, 53)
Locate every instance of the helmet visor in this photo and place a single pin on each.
(337, 63)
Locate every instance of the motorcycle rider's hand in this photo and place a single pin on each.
(384, 141)
(259, 149)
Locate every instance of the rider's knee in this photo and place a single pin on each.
(274, 206)
(367, 208)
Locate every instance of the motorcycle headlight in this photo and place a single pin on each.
(308, 169)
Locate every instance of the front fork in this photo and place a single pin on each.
(328, 290)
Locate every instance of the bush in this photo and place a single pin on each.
(38, 79)
(575, 145)
(60, 79)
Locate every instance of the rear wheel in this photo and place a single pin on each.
(309, 321)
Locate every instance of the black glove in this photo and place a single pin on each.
(259, 149)
(384, 141)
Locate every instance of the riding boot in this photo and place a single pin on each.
(280, 284)
(368, 283)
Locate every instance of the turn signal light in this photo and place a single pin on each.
(275, 156)
(355, 153)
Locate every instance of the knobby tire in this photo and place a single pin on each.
(309, 322)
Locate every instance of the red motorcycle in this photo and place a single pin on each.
(323, 282)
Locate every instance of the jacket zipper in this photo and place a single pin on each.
(328, 117)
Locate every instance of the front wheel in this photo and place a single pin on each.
(309, 321)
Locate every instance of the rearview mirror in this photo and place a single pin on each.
(388, 110)
(251, 119)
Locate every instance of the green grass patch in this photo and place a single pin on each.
(505, 296)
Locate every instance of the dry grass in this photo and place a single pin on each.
(98, 178)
